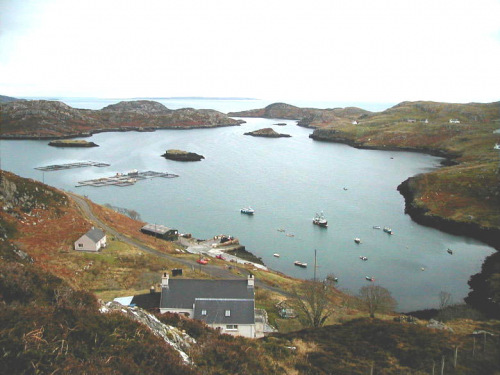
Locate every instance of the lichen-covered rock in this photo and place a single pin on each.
(267, 132)
(180, 155)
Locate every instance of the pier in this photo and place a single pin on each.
(58, 167)
(127, 179)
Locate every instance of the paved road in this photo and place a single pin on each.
(214, 271)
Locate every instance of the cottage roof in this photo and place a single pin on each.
(211, 299)
(157, 228)
(95, 234)
(224, 310)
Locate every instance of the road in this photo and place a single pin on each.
(215, 271)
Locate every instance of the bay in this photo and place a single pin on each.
(286, 181)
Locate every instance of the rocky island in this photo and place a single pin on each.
(72, 143)
(268, 133)
(180, 155)
(43, 119)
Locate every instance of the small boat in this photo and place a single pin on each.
(202, 261)
(280, 230)
(345, 188)
(376, 227)
(290, 235)
(363, 258)
(450, 251)
(300, 264)
(369, 278)
(220, 257)
(247, 210)
(276, 255)
(387, 230)
(332, 278)
(320, 220)
(357, 240)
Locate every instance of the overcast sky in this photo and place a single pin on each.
(338, 50)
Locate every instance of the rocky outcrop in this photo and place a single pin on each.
(268, 133)
(490, 236)
(180, 155)
(42, 119)
(74, 143)
(176, 338)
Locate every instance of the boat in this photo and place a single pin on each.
(280, 230)
(300, 264)
(332, 278)
(450, 251)
(290, 235)
(357, 240)
(276, 255)
(376, 227)
(320, 220)
(219, 256)
(369, 278)
(247, 210)
(202, 261)
(387, 230)
(363, 258)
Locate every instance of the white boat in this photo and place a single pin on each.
(388, 230)
(357, 240)
(300, 264)
(363, 258)
(276, 255)
(320, 220)
(247, 210)
(376, 227)
(369, 278)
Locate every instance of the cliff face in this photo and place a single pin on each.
(52, 119)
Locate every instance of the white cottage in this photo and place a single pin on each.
(93, 240)
(227, 305)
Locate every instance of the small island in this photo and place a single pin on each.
(180, 155)
(72, 143)
(267, 132)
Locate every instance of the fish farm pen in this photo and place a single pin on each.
(125, 179)
(58, 167)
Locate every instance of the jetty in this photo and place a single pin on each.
(58, 167)
(126, 179)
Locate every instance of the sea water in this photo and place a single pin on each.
(287, 181)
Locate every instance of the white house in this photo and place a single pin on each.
(93, 240)
(454, 121)
(227, 305)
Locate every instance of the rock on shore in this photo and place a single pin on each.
(180, 155)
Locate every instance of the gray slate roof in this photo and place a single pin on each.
(95, 234)
(156, 228)
(215, 296)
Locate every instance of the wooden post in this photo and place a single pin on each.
(455, 357)
(442, 365)
(474, 348)
(433, 366)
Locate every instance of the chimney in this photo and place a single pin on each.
(164, 280)
(251, 281)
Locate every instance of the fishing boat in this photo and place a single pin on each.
(387, 230)
(357, 240)
(450, 251)
(363, 258)
(369, 278)
(300, 264)
(247, 210)
(320, 220)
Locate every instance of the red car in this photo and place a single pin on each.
(202, 261)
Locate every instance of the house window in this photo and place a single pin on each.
(203, 312)
(228, 313)
(231, 327)
(80, 245)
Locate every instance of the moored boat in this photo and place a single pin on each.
(357, 240)
(369, 278)
(276, 255)
(247, 210)
(320, 220)
(387, 230)
(300, 264)
(363, 258)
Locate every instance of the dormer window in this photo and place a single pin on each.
(228, 313)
